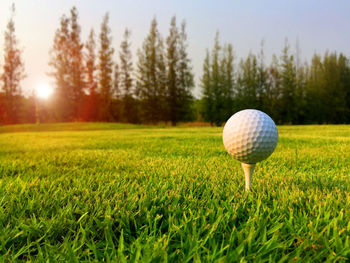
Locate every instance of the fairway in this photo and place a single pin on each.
(113, 192)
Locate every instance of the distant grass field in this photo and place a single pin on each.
(113, 192)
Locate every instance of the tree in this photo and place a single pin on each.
(227, 71)
(248, 83)
(300, 86)
(327, 89)
(126, 81)
(76, 66)
(185, 79)
(345, 80)
(105, 70)
(172, 74)
(334, 101)
(151, 77)
(263, 88)
(117, 103)
(116, 82)
(68, 69)
(59, 62)
(314, 94)
(207, 91)
(218, 83)
(180, 79)
(288, 76)
(272, 104)
(13, 72)
(91, 105)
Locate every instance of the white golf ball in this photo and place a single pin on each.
(250, 136)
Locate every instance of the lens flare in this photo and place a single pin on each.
(43, 90)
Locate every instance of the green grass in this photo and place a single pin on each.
(113, 192)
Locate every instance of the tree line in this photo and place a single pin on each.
(290, 91)
(92, 85)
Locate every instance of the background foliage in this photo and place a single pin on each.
(91, 85)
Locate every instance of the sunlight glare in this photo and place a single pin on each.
(44, 90)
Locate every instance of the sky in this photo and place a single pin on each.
(318, 25)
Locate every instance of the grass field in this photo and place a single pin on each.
(113, 192)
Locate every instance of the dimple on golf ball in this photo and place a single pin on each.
(250, 136)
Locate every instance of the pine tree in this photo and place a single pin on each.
(60, 64)
(314, 94)
(345, 80)
(263, 88)
(105, 71)
(68, 69)
(13, 72)
(248, 83)
(185, 78)
(207, 91)
(273, 104)
(334, 100)
(91, 105)
(77, 69)
(126, 81)
(117, 97)
(300, 86)
(180, 80)
(151, 77)
(161, 76)
(217, 84)
(288, 74)
(116, 82)
(227, 71)
(90, 61)
(173, 104)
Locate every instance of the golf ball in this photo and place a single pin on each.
(250, 136)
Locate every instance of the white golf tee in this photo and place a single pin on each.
(248, 173)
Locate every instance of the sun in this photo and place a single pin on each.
(43, 90)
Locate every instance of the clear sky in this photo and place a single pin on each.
(319, 25)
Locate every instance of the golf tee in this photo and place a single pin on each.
(248, 173)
